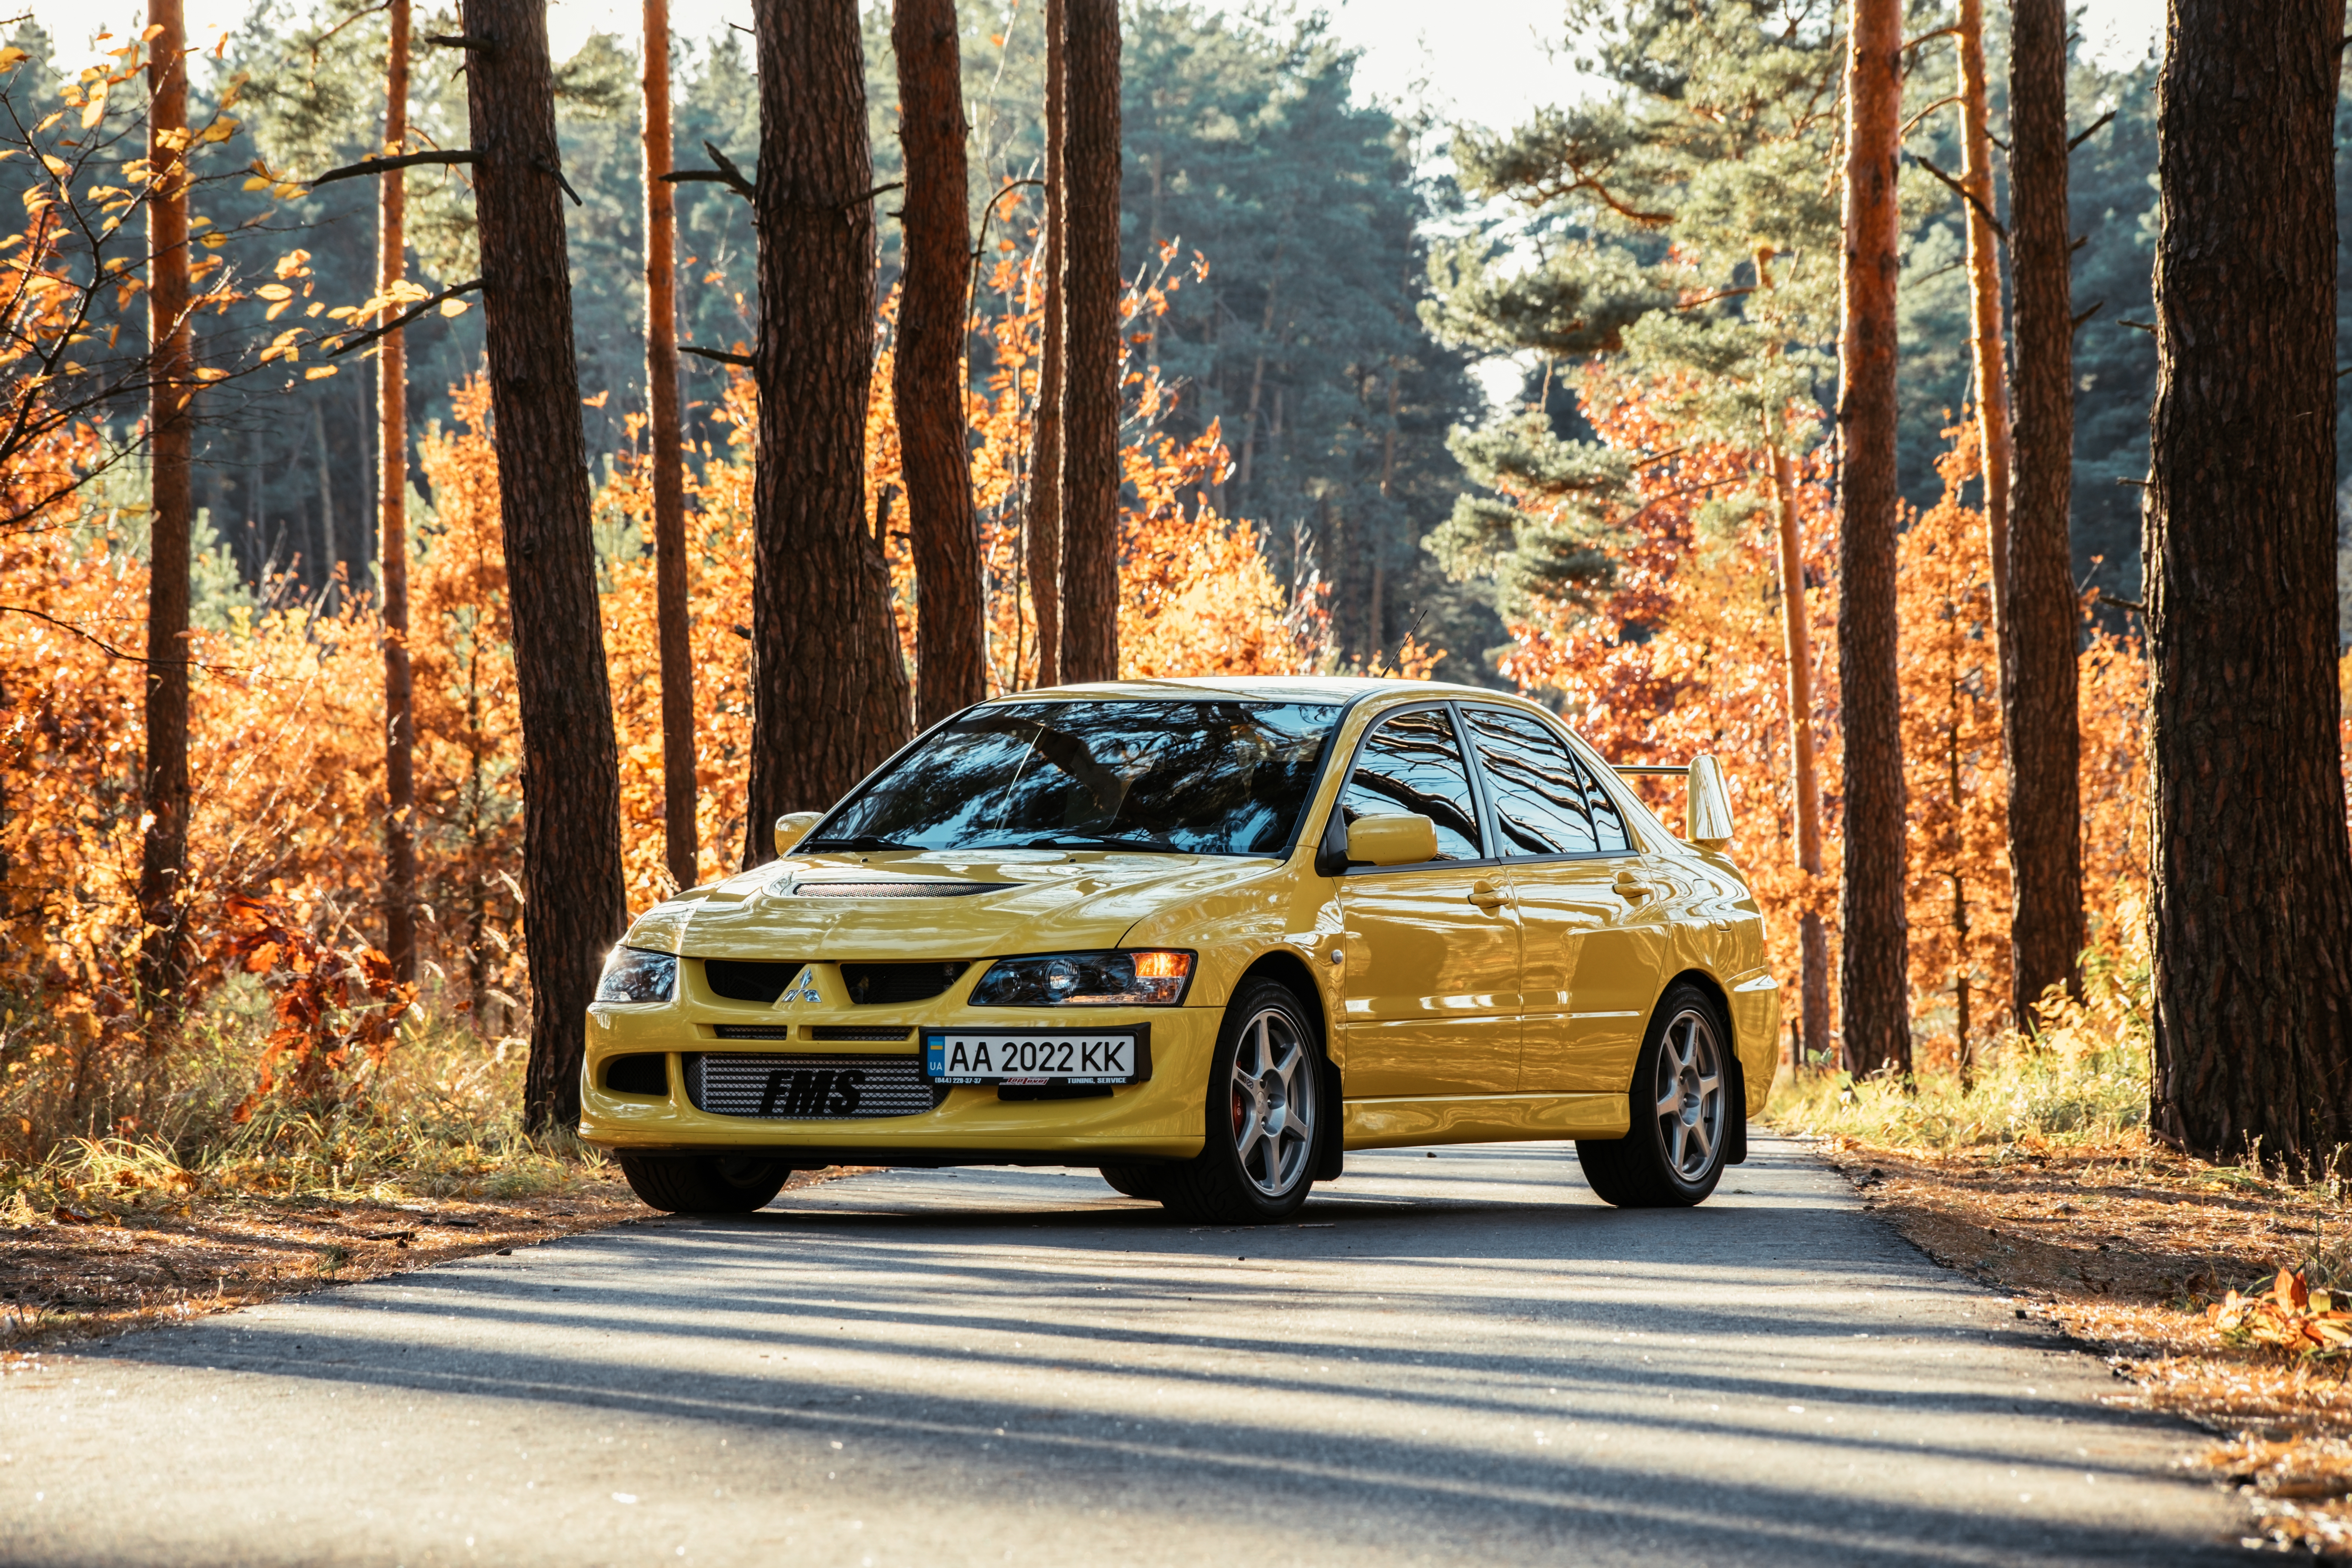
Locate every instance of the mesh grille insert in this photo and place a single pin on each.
(876, 984)
(747, 980)
(895, 889)
(809, 1087)
(858, 1032)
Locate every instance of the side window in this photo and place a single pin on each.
(1414, 763)
(1608, 822)
(1541, 794)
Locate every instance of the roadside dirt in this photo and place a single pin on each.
(2127, 1250)
(80, 1275)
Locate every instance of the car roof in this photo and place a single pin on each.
(1258, 688)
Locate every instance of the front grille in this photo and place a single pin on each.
(856, 1032)
(810, 1087)
(895, 889)
(745, 980)
(876, 984)
(754, 1031)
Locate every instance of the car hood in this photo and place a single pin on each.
(933, 903)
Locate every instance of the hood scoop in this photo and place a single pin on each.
(908, 889)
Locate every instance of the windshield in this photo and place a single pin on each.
(1207, 778)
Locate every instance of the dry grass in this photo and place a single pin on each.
(2042, 1182)
(186, 1211)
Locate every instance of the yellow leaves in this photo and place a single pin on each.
(2289, 1316)
(287, 345)
(56, 165)
(321, 371)
(455, 307)
(294, 264)
(212, 373)
(93, 109)
(12, 57)
(213, 241)
(598, 401)
(221, 130)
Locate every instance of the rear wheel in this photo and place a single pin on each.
(1681, 1107)
(706, 1185)
(1264, 1112)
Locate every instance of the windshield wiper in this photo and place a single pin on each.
(1100, 841)
(859, 841)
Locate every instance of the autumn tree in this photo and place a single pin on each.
(1090, 407)
(571, 828)
(2252, 892)
(163, 856)
(950, 659)
(667, 456)
(2035, 598)
(1044, 511)
(830, 692)
(1874, 1000)
(391, 524)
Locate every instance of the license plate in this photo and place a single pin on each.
(1041, 1058)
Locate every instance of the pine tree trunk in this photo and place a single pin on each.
(927, 378)
(680, 851)
(1988, 360)
(1046, 464)
(1805, 774)
(2035, 607)
(392, 531)
(1090, 465)
(829, 698)
(2252, 896)
(1873, 986)
(574, 906)
(163, 849)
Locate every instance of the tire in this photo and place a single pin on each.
(1267, 1108)
(1682, 1105)
(1133, 1181)
(714, 1185)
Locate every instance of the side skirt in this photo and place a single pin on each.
(1484, 1119)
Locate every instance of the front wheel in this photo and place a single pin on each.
(717, 1185)
(1265, 1109)
(1682, 1107)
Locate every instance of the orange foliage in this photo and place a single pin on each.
(1683, 653)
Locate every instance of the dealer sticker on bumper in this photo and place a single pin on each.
(1039, 1056)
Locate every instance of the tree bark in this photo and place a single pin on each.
(574, 906)
(1045, 465)
(164, 849)
(2250, 903)
(1090, 466)
(1805, 775)
(1989, 361)
(2034, 607)
(680, 851)
(927, 377)
(392, 530)
(829, 700)
(1873, 983)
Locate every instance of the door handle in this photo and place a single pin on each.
(1486, 895)
(1632, 887)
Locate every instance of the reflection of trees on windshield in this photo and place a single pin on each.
(1202, 777)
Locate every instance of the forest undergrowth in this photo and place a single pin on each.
(2218, 1292)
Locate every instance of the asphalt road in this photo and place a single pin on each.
(1458, 1359)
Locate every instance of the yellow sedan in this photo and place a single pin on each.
(1207, 936)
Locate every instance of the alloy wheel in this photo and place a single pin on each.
(1273, 1103)
(1690, 1094)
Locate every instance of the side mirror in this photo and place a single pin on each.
(793, 826)
(1405, 838)
(1708, 811)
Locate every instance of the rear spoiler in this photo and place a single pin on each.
(1707, 807)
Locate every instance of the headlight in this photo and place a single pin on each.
(1154, 978)
(634, 975)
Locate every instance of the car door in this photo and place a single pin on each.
(1431, 951)
(1592, 935)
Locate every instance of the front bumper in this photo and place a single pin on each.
(1159, 1119)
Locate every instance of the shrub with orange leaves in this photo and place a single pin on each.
(2289, 1316)
(336, 1008)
